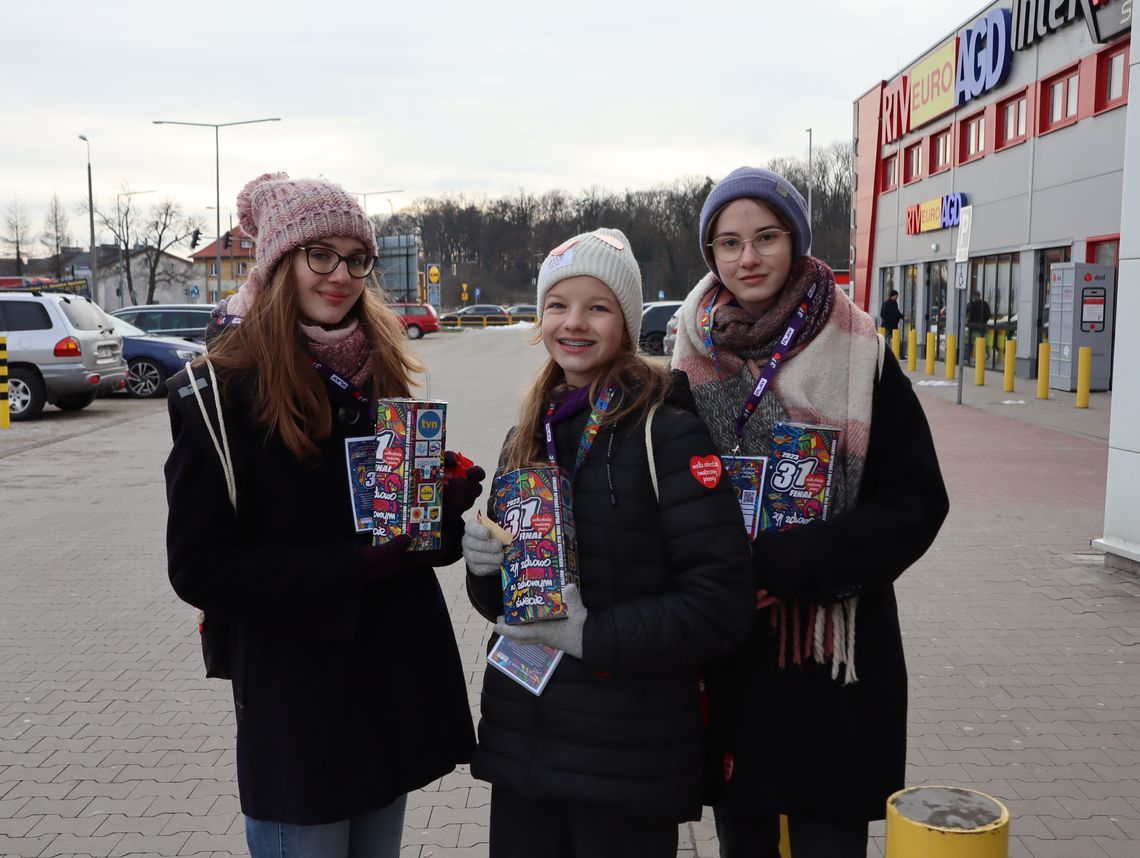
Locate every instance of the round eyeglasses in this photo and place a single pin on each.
(728, 248)
(324, 260)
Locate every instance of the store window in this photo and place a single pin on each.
(1059, 104)
(906, 304)
(1012, 120)
(242, 268)
(991, 311)
(213, 269)
(939, 157)
(973, 142)
(936, 275)
(912, 163)
(890, 172)
(886, 283)
(1112, 78)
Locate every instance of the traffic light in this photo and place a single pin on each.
(226, 240)
(194, 236)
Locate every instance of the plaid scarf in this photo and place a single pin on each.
(828, 378)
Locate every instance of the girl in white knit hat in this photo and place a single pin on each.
(608, 759)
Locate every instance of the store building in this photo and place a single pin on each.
(1020, 114)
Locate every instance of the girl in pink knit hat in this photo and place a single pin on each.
(264, 535)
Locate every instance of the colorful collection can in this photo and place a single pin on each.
(800, 469)
(410, 436)
(533, 505)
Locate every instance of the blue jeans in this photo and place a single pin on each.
(370, 835)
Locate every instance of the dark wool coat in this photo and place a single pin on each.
(667, 586)
(802, 742)
(346, 695)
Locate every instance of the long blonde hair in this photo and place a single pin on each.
(289, 396)
(640, 385)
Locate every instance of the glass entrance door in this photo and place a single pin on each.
(936, 276)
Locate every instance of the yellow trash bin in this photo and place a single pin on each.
(946, 822)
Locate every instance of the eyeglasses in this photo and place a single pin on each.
(728, 248)
(322, 260)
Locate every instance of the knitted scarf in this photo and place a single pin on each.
(345, 349)
(827, 378)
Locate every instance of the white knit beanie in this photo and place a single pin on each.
(606, 255)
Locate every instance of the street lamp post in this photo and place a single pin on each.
(367, 194)
(217, 175)
(123, 259)
(91, 219)
(809, 178)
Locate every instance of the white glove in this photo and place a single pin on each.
(482, 553)
(565, 635)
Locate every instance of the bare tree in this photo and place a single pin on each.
(123, 223)
(55, 236)
(16, 229)
(164, 227)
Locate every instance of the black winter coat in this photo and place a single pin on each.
(802, 742)
(667, 586)
(334, 718)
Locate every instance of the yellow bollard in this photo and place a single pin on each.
(1010, 365)
(785, 838)
(931, 351)
(946, 822)
(882, 332)
(951, 356)
(1084, 375)
(1043, 371)
(912, 349)
(896, 342)
(979, 361)
(5, 409)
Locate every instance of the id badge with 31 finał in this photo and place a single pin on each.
(747, 476)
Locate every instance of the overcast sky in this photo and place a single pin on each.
(435, 98)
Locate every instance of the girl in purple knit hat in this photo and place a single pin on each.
(809, 717)
(334, 728)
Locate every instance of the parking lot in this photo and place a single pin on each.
(1021, 646)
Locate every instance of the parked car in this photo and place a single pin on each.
(670, 341)
(653, 320)
(417, 319)
(61, 350)
(523, 312)
(188, 321)
(476, 316)
(151, 359)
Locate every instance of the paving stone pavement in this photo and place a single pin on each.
(1021, 645)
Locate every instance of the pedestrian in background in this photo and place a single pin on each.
(335, 722)
(809, 726)
(889, 314)
(608, 759)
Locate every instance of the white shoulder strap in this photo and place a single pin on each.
(649, 450)
(882, 344)
(223, 448)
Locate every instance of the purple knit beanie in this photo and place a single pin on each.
(770, 188)
(280, 213)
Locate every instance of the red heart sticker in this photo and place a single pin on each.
(706, 470)
(814, 483)
(543, 522)
(392, 457)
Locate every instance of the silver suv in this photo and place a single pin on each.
(60, 350)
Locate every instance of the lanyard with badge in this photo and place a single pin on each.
(746, 473)
(593, 424)
(359, 452)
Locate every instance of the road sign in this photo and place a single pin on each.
(963, 273)
(433, 296)
(464, 295)
(433, 273)
(965, 224)
(478, 292)
(194, 293)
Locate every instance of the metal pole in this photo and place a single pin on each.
(91, 218)
(217, 215)
(809, 178)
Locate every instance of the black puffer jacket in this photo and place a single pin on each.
(802, 742)
(667, 586)
(333, 718)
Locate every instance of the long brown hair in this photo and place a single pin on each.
(640, 385)
(289, 396)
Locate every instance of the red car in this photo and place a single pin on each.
(418, 319)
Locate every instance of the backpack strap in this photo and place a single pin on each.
(649, 450)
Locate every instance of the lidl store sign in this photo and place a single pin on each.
(938, 213)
